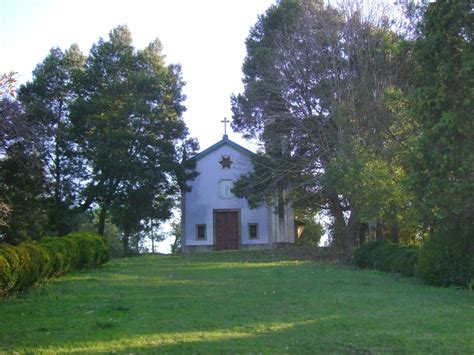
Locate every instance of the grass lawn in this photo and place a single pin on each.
(244, 302)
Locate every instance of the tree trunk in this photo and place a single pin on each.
(174, 247)
(92, 193)
(105, 206)
(363, 227)
(395, 231)
(57, 159)
(339, 223)
(379, 229)
(102, 216)
(352, 232)
(57, 177)
(125, 243)
(344, 234)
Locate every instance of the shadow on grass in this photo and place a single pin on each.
(269, 336)
(288, 253)
(323, 334)
(175, 304)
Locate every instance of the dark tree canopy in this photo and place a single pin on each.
(315, 83)
(109, 136)
(22, 188)
(441, 99)
(47, 100)
(128, 126)
(441, 163)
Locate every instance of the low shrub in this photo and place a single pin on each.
(58, 253)
(40, 259)
(92, 249)
(386, 256)
(9, 267)
(447, 258)
(86, 246)
(32, 262)
(6, 276)
(26, 277)
(73, 254)
(35, 262)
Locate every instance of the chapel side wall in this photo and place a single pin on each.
(204, 198)
(282, 229)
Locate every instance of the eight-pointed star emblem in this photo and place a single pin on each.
(225, 162)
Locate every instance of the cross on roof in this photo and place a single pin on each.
(225, 121)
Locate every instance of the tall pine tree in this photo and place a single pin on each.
(127, 123)
(315, 79)
(47, 100)
(442, 161)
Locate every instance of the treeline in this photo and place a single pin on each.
(366, 117)
(93, 142)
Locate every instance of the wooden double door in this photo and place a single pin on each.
(227, 229)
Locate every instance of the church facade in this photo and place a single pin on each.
(214, 219)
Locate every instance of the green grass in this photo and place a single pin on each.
(236, 302)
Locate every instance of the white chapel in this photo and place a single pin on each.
(214, 219)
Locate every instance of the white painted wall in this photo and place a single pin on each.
(204, 198)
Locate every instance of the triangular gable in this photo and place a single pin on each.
(224, 141)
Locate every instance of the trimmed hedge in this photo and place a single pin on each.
(448, 259)
(386, 256)
(32, 262)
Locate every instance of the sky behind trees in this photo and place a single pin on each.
(206, 37)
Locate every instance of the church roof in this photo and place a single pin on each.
(224, 141)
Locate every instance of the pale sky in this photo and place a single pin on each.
(207, 37)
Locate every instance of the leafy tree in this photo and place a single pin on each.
(7, 84)
(4, 213)
(23, 186)
(441, 163)
(153, 233)
(99, 132)
(315, 83)
(312, 231)
(441, 99)
(137, 210)
(13, 127)
(47, 100)
(128, 127)
(375, 186)
(9, 111)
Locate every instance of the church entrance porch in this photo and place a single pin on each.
(227, 231)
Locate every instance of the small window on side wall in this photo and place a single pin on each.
(253, 230)
(200, 231)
